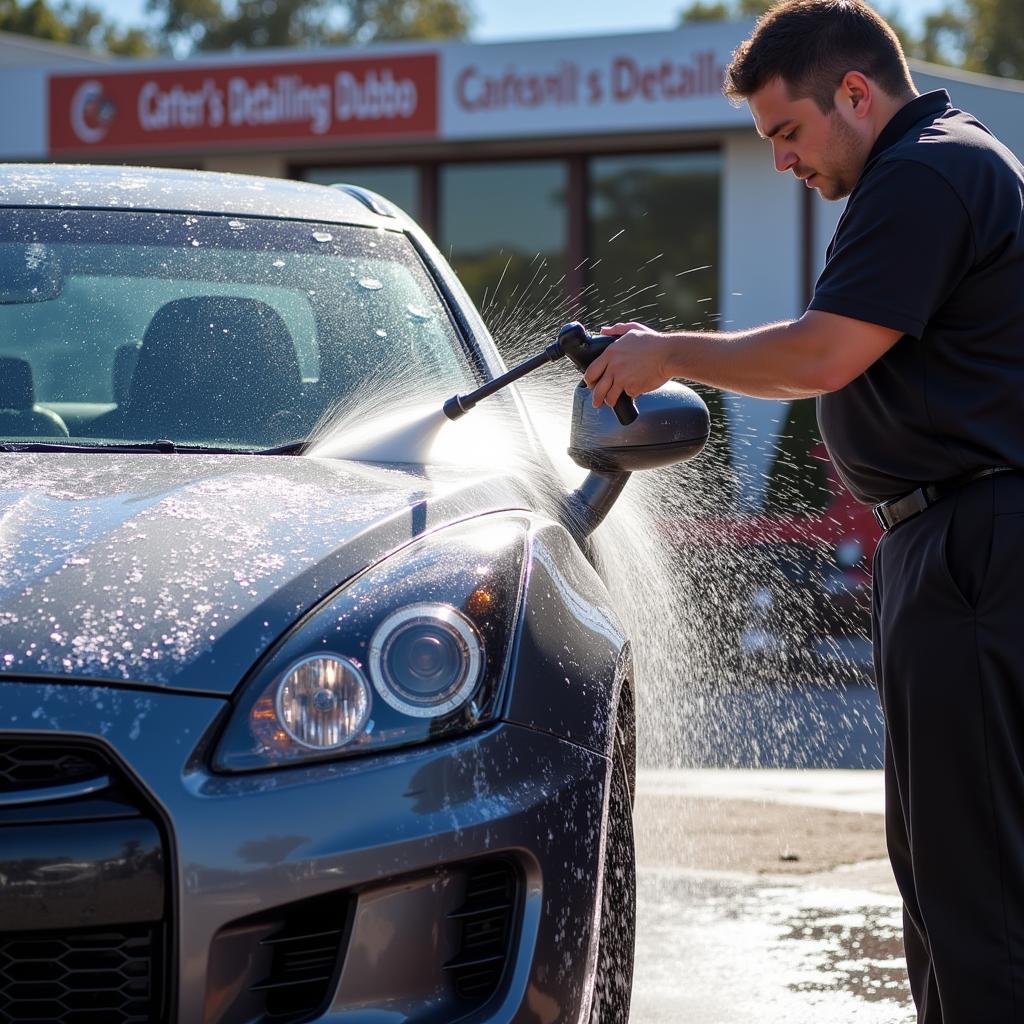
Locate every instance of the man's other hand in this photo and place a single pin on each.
(636, 363)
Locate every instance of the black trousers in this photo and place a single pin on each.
(949, 659)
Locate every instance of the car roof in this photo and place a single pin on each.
(90, 186)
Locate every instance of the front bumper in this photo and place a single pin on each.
(397, 852)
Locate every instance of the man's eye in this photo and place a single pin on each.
(790, 136)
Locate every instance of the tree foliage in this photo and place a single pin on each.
(187, 25)
(76, 24)
(979, 35)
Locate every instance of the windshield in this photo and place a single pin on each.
(206, 330)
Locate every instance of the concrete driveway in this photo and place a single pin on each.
(765, 895)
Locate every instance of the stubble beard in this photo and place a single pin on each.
(844, 169)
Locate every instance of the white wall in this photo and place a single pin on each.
(762, 246)
(997, 102)
(25, 118)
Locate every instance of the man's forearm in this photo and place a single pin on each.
(782, 360)
(819, 353)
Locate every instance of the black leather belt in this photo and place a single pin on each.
(889, 513)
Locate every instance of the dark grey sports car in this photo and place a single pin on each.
(287, 736)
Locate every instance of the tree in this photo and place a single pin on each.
(722, 10)
(979, 35)
(76, 24)
(250, 24)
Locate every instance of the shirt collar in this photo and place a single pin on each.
(926, 105)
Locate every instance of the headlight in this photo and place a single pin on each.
(426, 660)
(323, 702)
(414, 649)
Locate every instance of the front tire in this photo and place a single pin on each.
(613, 980)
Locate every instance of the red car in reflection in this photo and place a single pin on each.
(784, 594)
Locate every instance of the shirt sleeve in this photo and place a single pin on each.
(902, 245)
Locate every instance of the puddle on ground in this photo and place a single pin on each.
(717, 949)
(860, 951)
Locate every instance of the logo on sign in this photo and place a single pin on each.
(91, 112)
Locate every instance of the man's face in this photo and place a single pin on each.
(825, 151)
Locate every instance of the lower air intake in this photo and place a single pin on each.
(486, 918)
(304, 949)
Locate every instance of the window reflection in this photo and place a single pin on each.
(654, 223)
(654, 257)
(504, 227)
(398, 184)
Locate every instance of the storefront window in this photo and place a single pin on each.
(504, 227)
(654, 239)
(399, 184)
(654, 257)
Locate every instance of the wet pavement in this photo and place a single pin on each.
(805, 927)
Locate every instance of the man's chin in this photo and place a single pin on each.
(832, 190)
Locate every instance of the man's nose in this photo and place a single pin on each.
(785, 158)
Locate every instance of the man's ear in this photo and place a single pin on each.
(855, 92)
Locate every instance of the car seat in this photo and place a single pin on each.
(214, 368)
(125, 358)
(19, 415)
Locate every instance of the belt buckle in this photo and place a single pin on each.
(878, 511)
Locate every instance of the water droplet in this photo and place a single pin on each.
(323, 236)
(371, 284)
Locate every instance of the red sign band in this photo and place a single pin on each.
(257, 103)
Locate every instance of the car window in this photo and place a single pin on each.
(207, 329)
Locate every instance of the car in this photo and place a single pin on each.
(291, 728)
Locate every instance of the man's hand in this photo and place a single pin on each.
(634, 364)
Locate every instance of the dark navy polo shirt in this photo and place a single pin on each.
(931, 244)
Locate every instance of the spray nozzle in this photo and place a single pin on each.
(573, 341)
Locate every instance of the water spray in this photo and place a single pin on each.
(572, 341)
(674, 428)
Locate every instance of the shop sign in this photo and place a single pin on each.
(613, 83)
(215, 106)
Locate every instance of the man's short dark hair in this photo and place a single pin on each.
(811, 45)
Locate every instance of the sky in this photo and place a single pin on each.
(521, 19)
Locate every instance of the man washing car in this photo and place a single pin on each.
(913, 345)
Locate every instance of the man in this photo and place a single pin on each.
(914, 346)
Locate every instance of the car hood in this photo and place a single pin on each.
(179, 570)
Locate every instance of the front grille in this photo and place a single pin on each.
(486, 917)
(80, 839)
(27, 765)
(108, 976)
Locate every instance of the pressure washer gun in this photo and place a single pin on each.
(573, 341)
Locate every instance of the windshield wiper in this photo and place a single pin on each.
(161, 446)
(158, 447)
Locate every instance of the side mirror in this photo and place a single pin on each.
(29, 273)
(673, 425)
